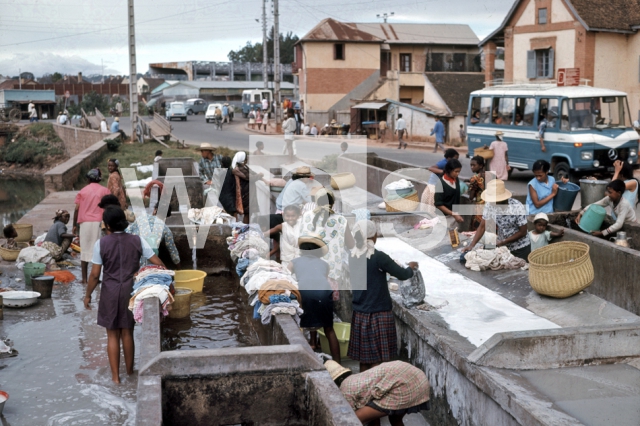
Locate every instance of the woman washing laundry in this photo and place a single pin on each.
(392, 389)
(446, 200)
(542, 189)
(624, 171)
(58, 240)
(238, 191)
(373, 329)
(118, 253)
(114, 184)
(621, 210)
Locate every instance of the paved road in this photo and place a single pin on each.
(195, 131)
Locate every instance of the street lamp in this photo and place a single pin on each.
(385, 16)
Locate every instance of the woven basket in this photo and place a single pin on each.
(25, 232)
(408, 204)
(487, 154)
(560, 270)
(12, 255)
(343, 180)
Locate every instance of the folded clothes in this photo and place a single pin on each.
(282, 308)
(160, 292)
(159, 279)
(272, 287)
(279, 298)
(399, 184)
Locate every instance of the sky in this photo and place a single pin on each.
(68, 36)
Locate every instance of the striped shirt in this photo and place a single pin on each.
(392, 385)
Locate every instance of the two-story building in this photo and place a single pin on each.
(598, 37)
(339, 64)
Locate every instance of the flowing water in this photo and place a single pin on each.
(220, 318)
(18, 196)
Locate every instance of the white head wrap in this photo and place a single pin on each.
(368, 231)
(240, 157)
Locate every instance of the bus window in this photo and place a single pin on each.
(564, 119)
(246, 98)
(256, 98)
(496, 118)
(548, 109)
(475, 111)
(485, 110)
(506, 108)
(526, 108)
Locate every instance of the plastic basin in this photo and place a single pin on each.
(191, 279)
(181, 306)
(592, 219)
(33, 270)
(567, 193)
(4, 397)
(343, 331)
(43, 285)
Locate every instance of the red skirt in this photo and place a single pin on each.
(373, 337)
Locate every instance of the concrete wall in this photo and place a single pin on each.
(64, 176)
(77, 140)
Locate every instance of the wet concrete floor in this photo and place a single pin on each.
(220, 318)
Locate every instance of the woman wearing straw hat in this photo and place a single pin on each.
(391, 389)
(499, 164)
(373, 330)
(312, 274)
(510, 218)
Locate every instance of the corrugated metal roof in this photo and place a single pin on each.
(370, 105)
(331, 30)
(422, 33)
(245, 85)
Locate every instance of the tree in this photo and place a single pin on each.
(253, 52)
(56, 76)
(93, 100)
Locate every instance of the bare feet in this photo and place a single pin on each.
(116, 379)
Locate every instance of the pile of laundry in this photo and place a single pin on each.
(399, 189)
(500, 258)
(271, 288)
(152, 281)
(244, 237)
(209, 216)
(427, 223)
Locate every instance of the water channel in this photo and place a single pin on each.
(18, 196)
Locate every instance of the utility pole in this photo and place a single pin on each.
(276, 62)
(133, 92)
(20, 77)
(265, 56)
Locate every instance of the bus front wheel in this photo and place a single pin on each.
(562, 169)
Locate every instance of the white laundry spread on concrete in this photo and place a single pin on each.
(470, 309)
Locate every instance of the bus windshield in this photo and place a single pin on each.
(597, 112)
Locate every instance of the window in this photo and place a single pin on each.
(525, 111)
(338, 52)
(436, 62)
(604, 112)
(548, 108)
(540, 63)
(405, 62)
(542, 16)
(506, 108)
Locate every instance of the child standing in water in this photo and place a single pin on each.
(540, 237)
(313, 281)
(289, 232)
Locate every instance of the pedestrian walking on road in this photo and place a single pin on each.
(252, 119)
(463, 134)
(438, 131)
(225, 113)
(289, 128)
(33, 113)
(499, 164)
(401, 128)
(382, 127)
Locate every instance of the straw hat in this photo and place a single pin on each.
(303, 170)
(206, 147)
(314, 125)
(541, 216)
(499, 134)
(495, 192)
(333, 121)
(131, 216)
(117, 119)
(336, 371)
(314, 238)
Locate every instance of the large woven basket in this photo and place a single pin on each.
(560, 270)
(343, 180)
(408, 204)
(25, 232)
(12, 255)
(487, 154)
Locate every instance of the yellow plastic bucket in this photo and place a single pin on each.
(191, 279)
(343, 331)
(181, 306)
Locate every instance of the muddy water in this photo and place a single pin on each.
(61, 375)
(220, 318)
(18, 196)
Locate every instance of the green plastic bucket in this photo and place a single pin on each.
(592, 219)
(33, 270)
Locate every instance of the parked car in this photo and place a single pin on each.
(209, 115)
(195, 106)
(175, 110)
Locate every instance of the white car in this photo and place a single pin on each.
(176, 110)
(209, 115)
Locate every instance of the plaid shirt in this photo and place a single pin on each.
(207, 167)
(392, 385)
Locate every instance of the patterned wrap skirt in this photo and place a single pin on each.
(373, 337)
